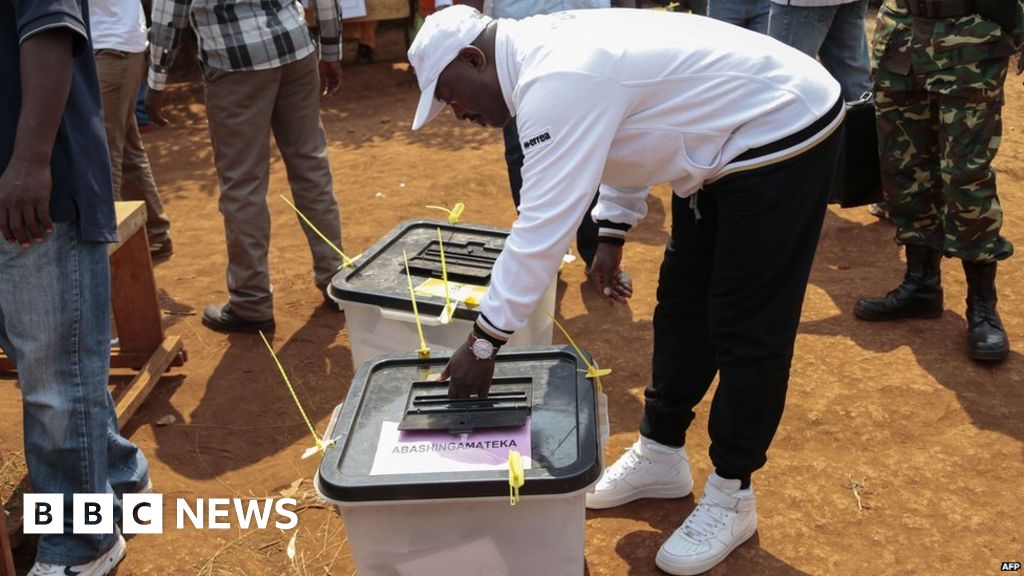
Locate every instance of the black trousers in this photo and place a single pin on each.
(729, 297)
(586, 234)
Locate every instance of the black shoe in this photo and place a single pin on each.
(364, 54)
(162, 252)
(986, 338)
(221, 318)
(919, 296)
(329, 302)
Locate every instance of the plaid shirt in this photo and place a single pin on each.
(241, 34)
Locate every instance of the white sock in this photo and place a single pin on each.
(646, 444)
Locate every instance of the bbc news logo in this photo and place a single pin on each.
(144, 513)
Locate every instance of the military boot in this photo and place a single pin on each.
(986, 338)
(919, 296)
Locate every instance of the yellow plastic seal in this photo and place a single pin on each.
(516, 476)
(423, 352)
(454, 214)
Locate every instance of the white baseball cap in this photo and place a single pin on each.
(443, 34)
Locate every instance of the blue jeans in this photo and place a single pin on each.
(55, 326)
(140, 105)
(749, 14)
(835, 34)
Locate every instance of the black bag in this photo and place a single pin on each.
(1002, 12)
(859, 178)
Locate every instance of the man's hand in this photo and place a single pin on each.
(25, 201)
(155, 106)
(611, 282)
(467, 374)
(330, 78)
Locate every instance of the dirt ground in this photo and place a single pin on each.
(896, 455)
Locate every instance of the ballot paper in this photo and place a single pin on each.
(425, 451)
(352, 8)
(471, 294)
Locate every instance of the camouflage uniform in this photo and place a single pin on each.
(939, 96)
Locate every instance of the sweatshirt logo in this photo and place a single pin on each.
(536, 141)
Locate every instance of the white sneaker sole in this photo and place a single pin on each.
(111, 560)
(597, 502)
(675, 567)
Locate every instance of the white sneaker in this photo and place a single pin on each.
(98, 567)
(647, 470)
(725, 518)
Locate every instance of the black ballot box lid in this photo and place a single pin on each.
(379, 277)
(550, 380)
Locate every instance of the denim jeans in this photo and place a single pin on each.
(835, 34)
(55, 326)
(749, 14)
(586, 234)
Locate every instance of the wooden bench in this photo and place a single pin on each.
(142, 345)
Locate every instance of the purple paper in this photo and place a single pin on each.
(418, 452)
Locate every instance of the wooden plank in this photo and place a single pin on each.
(6, 554)
(136, 360)
(118, 359)
(131, 217)
(133, 296)
(142, 385)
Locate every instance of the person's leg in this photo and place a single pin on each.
(300, 137)
(970, 131)
(366, 34)
(769, 221)
(731, 11)
(699, 7)
(757, 16)
(239, 106)
(683, 361)
(137, 180)
(62, 352)
(140, 105)
(908, 156)
(909, 163)
(801, 27)
(657, 466)
(587, 236)
(118, 95)
(845, 50)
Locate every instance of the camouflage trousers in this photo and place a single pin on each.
(936, 143)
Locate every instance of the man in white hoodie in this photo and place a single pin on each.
(750, 124)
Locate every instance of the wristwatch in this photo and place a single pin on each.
(482, 349)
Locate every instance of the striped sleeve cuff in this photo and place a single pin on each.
(483, 328)
(330, 49)
(612, 232)
(157, 79)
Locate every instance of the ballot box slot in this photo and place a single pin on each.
(507, 405)
(468, 262)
